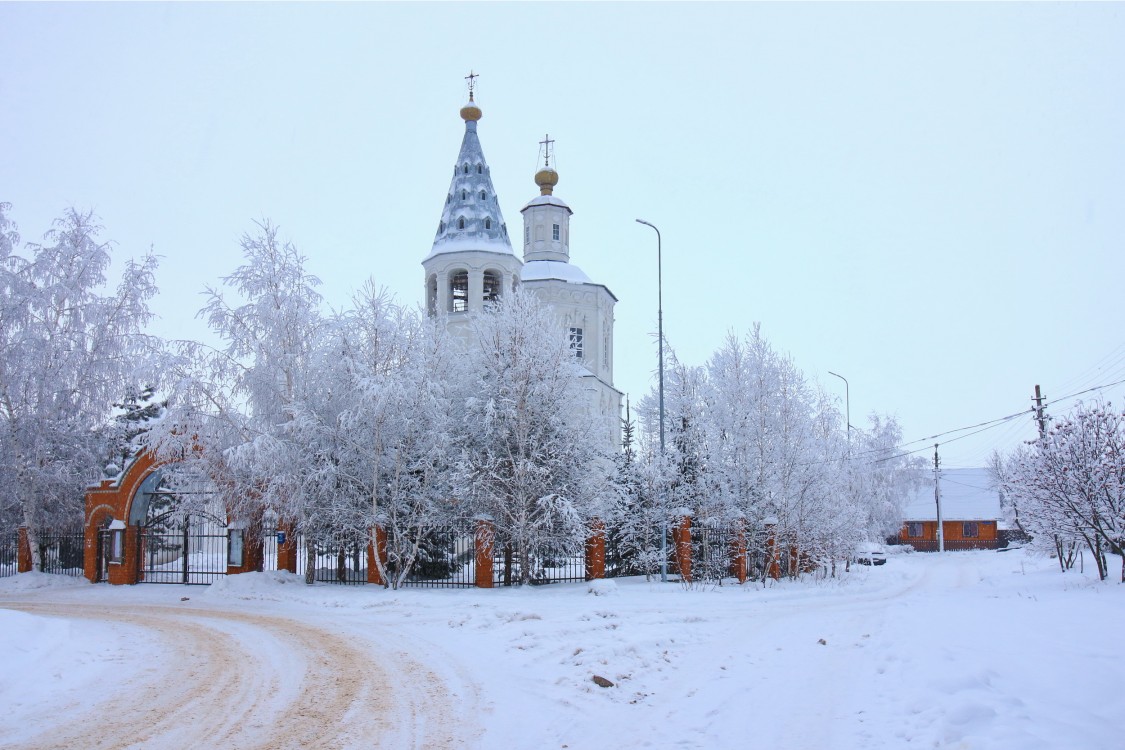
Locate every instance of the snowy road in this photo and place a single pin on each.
(964, 651)
(221, 678)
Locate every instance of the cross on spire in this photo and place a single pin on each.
(546, 143)
(471, 78)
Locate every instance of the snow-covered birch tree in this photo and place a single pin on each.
(1070, 484)
(528, 459)
(236, 408)
(69, 349)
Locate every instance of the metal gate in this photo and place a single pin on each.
(183, 547)
(105, 540)
(341, 558)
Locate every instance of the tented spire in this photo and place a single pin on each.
(471, 219)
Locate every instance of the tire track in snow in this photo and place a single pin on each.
(223, 683)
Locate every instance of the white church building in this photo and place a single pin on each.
(472, 263)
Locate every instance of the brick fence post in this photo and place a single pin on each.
(23, 553)
(595, 550)
(773, 566)
(482, 539)
(376, 546)
(681, 538)
(738, 551)
(287, 550)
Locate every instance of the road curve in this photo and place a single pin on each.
(238, 678)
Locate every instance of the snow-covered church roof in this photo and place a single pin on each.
(538, 270)
(471, 219)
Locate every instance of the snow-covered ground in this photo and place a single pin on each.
(965, 650)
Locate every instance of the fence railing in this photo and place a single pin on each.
(9, 554)
(334, 560)
(554, 564)
(951, 545)
(446, 558)
(62, 552)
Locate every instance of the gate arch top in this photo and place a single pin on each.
(114, 498)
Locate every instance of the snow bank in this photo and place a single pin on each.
(32, 581)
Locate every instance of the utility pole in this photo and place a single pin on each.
(937, 500)
(1040, 417)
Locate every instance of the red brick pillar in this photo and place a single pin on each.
(23, 552)
(738, 551)
(287, 550)
(90, 548)
(127, 570)
(773, 566)
(376, 546)
(595, 550)
(483, 543)
(681, 538)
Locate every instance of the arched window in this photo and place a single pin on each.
(464, 195)
(448, 197)
(466, 169)
(483, 195)
(480, 169)
(431, 295)
(461, 223)
(576, 341)
(492, 286)
(488, 223)
(459, 291)
(441, 226)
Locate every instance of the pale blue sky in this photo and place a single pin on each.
(924, 198)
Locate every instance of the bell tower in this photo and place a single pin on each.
(583, 307)
(471, 261)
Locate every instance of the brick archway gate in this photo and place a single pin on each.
(134, 532)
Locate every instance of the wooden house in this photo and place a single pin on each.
(970, 512)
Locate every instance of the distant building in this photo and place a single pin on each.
(471, 263)
(970, 513)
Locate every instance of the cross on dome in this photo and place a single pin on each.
(546, 143)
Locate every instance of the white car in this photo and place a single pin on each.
(870, 554)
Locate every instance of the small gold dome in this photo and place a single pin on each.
(546, 178)
(471, 112)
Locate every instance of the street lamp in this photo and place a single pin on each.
(847, 406)
(660, 350)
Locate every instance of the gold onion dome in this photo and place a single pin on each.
(546, 178)
(471, 112)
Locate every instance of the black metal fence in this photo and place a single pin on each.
(336, 559)
(557, 563)
(176, 547)
(9, 554)
(636, 553)
(62, 552)
(712, 549)
(446, 558)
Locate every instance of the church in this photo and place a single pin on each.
(472, 263)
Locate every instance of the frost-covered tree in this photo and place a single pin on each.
(69, 348)
(882, 478)
(754, 445)
(134, 417)
(635, 521)
(528, 460)
(401, 430)
(237, 409)
(1070, 484)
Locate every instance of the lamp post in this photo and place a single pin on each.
(847, 406)
(660, 350)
